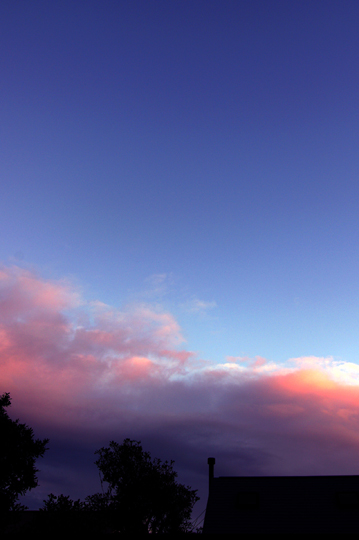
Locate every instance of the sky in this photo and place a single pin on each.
(179, 247)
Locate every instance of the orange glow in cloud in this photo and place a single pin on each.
(306, 381)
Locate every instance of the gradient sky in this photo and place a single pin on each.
(179, 248)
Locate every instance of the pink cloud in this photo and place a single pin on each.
(89, 368)
(56, 346)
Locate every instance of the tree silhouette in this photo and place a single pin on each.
(62, 503)
(18, 452)
(143, 495)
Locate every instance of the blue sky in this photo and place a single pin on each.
(200, 158)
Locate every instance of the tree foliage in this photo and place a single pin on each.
(143, 494)
(62, 503)
(18, 453)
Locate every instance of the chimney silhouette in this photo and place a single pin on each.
(211, 461)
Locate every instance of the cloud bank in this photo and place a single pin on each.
(88, 373)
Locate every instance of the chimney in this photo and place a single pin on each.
(211, 461)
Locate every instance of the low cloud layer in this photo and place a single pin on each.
(85, 373)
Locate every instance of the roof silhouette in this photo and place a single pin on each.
(282, 504)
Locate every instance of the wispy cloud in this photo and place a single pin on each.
(195, 305)
(155, 288)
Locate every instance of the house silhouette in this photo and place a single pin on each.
(282, 504)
